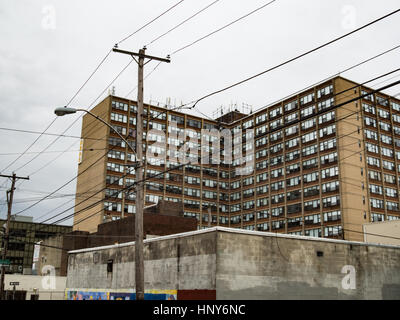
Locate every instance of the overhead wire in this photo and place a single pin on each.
(122, 190)
(195, 102)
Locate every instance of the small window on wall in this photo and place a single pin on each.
(110, 266)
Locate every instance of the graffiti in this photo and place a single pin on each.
(108, 295)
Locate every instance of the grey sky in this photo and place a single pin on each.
(49, 48)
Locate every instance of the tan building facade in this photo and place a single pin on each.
(324, 162)
(385, 232)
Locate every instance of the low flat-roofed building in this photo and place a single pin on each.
(233, 264)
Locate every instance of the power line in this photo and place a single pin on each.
(124, 189)
(293, 59)
(44, 134)
(277, 127)
(326, 110)
(119, 74)
(202, 38)
(222, 28)
(184, 21)
(151, 21)
(30, 146)
(90, 77)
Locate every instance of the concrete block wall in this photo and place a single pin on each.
(270, 267)
(237, 264)
(171, 264)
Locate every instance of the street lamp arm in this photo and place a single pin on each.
(111, 127)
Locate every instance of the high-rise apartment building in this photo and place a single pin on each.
(315, 166)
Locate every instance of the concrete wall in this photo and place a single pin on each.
(257, 266)
(173, 263)
(389, 229)
(238, 264)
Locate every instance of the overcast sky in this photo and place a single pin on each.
(49, 48)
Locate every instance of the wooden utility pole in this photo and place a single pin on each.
(139, 258)
(10, 197)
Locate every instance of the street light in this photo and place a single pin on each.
(139, 260)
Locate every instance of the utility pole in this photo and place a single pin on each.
(139, 258)
(10, 196)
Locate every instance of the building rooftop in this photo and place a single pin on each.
(237, 231)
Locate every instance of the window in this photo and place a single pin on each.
(331, 201)
(309, 150)
(276, 212)
(370, 122)
(330, 186)
(329, 172)
(306, 99)
(388, 165)
(375, 189)
(119, 117)
(368, 108)
(277, 185)
(373, 135)
(262, 141)
(275, 124)
(262, 202)
(292, 130)
(277, 224)
(292, 143)
(329, 158)
(376, 203)
(310, 177)
(261, 118)
(292, 155)
(332, 231)
(326, 117)
(311, 205)
(261, 130)
(373, 162)
(313, 233)
(307, 111)
(293, 181)
(377, 217)
(314, 219)
(374, 175)
(332, 216)
(278, 198)
(328, 144)
(384, 126)
(119, 106)
(309, 164)
(383, 113)
(382, 101)
(309, 137)
(327, 131)
(325, 104)
(275, 112)
(305, 125)
(311, 191)
(291, 117)
(263, 226)
(293, 195)
(293, 168)
(291, 106)
(387, 152)
(325, 91)
(176, 118)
